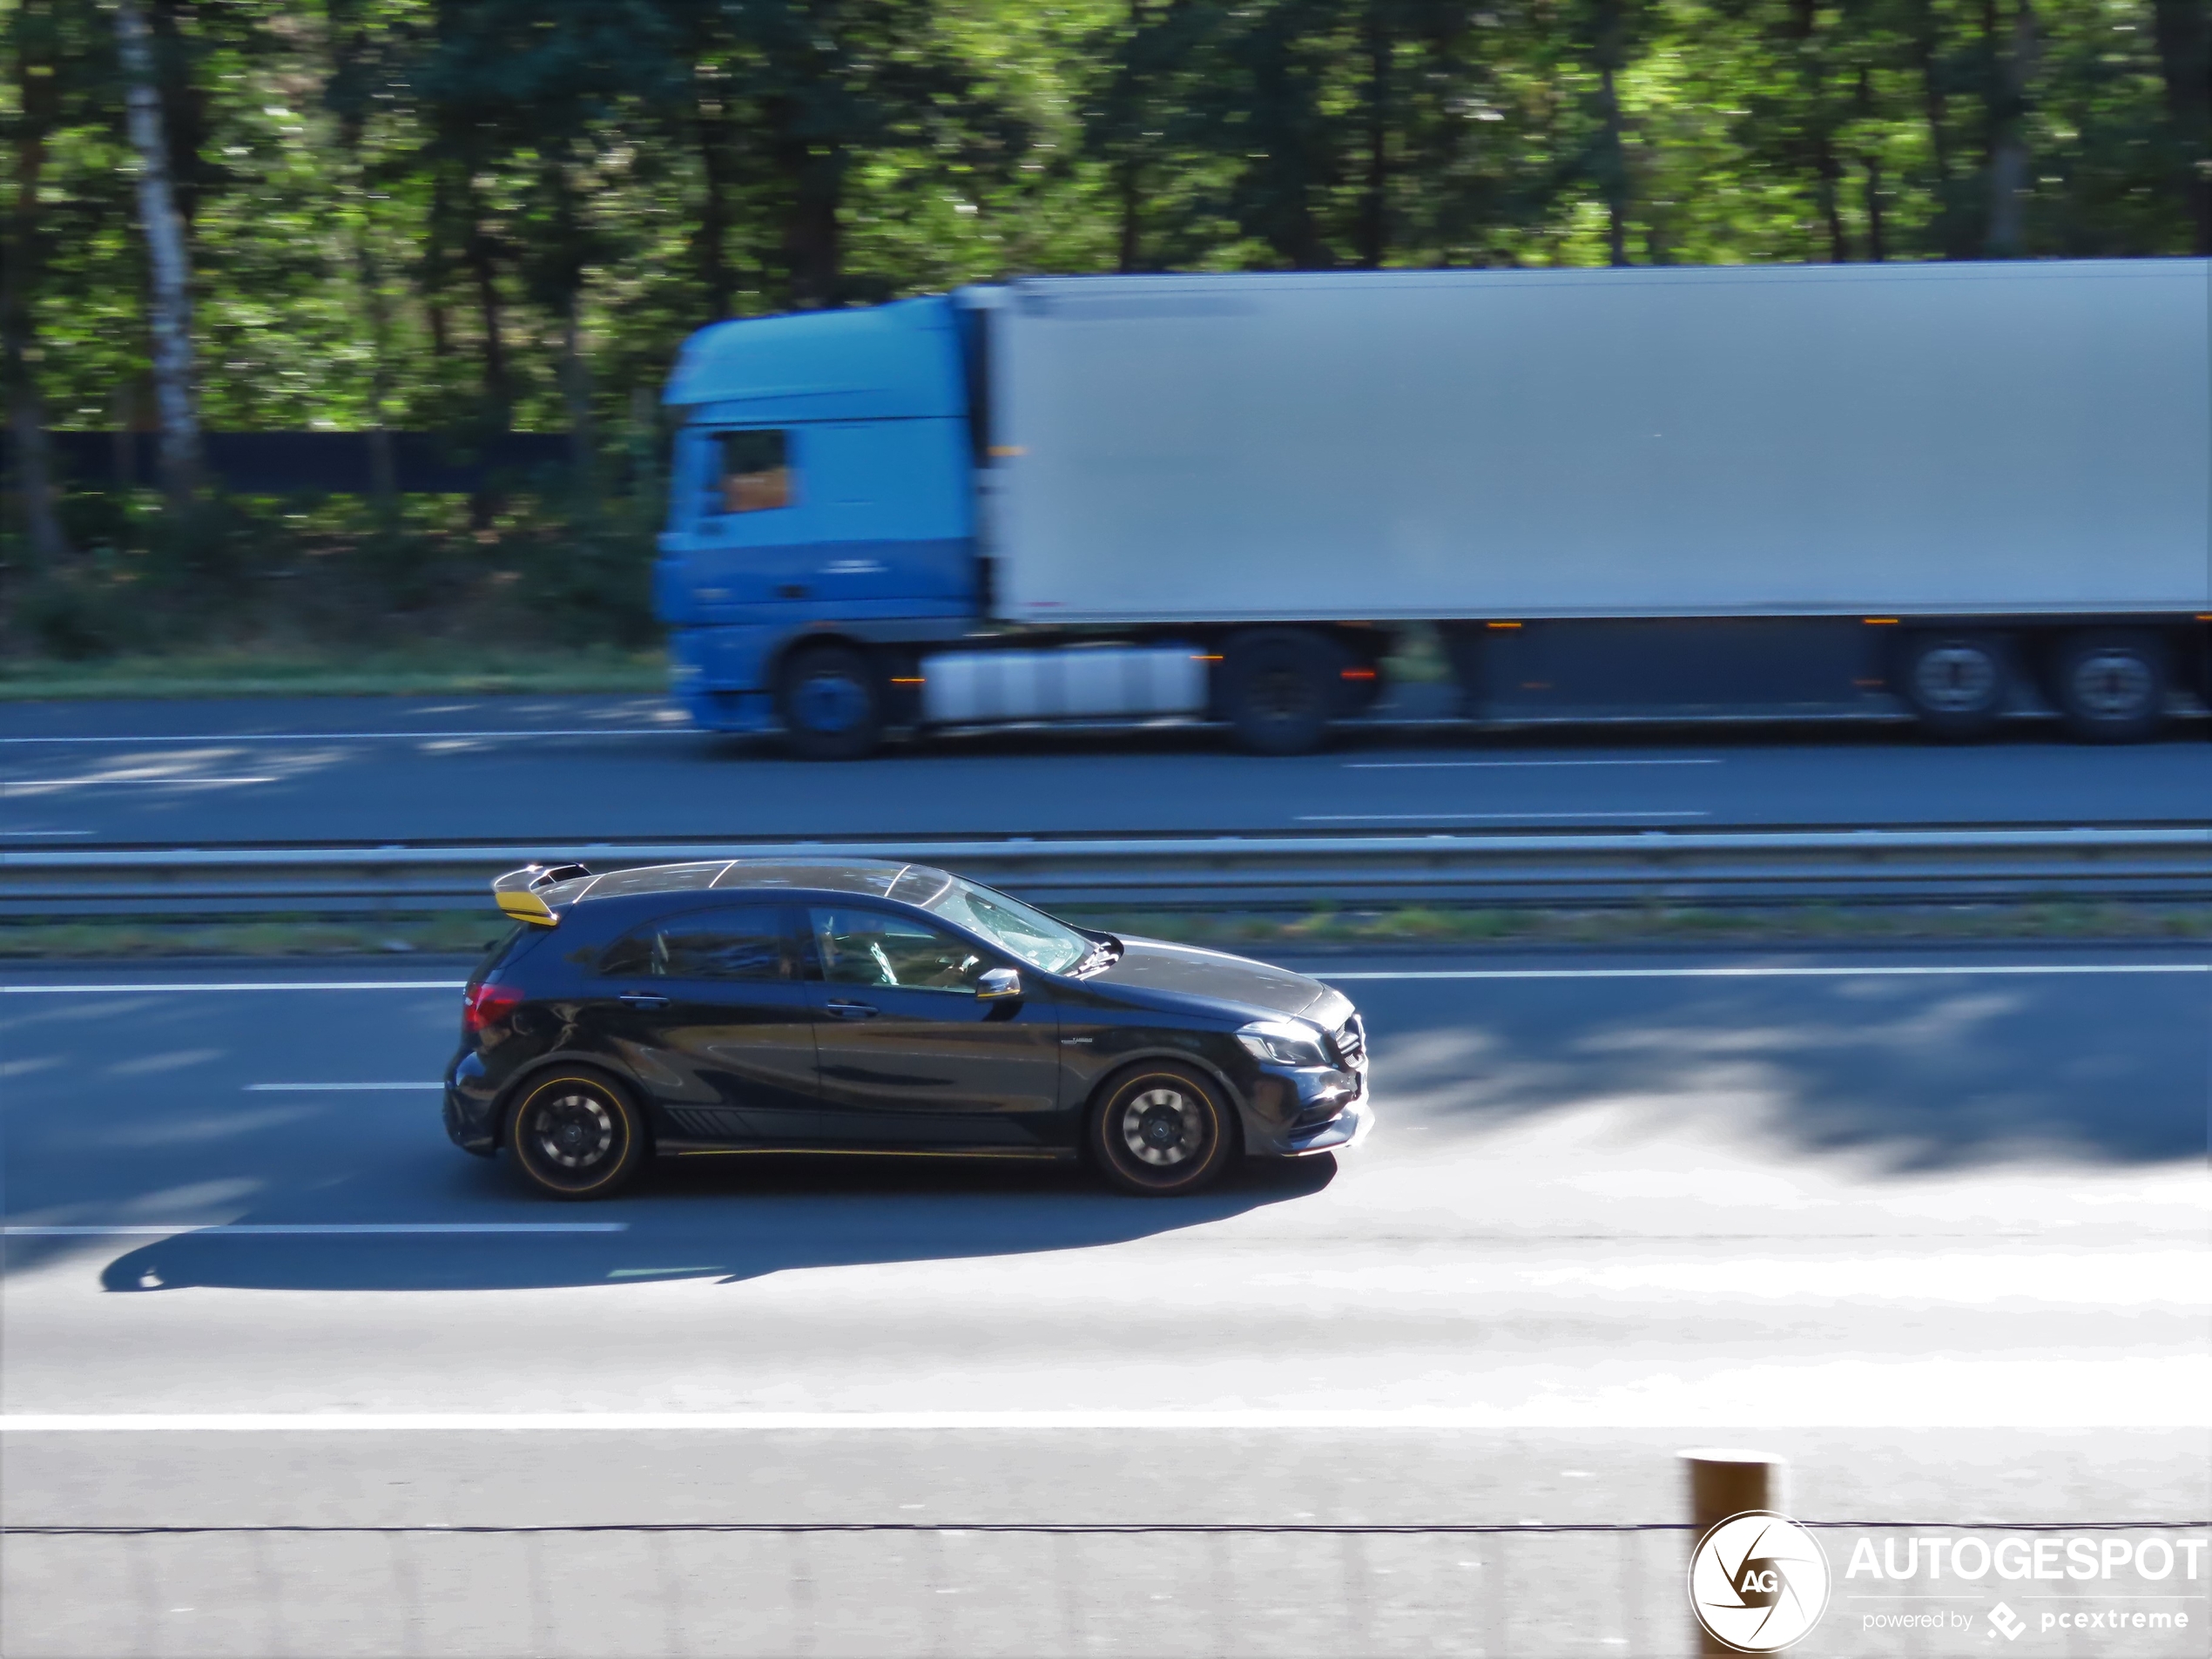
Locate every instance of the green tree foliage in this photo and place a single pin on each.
(481, 215)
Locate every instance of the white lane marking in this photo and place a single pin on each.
(1468, 818)
(380, 737)
(331, 1088)
(309, 1229)
(242, 985)
(1454, 765)
(2151, 1391)
(633, 1422)
(24, 833)
(165, 783)
(1947, 970)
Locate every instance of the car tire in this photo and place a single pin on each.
(2111, 685)
(1958, 683)
(1161, 1130)
(830, 702)
(1280, 688)
(574, 1133)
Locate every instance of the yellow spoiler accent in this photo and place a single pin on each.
(526, 906)
(517, 893)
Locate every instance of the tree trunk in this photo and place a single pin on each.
(169, 311)
(21, 277)
(710, 242)
(349, 47)
(813, 237)
(1877, 247)
(383, 477)
(575, 392)
(1935, 110)
(1374, 196)
(498, 392)
(499, 397)
(2184, 35)
(1827, 171)
(1128, 249)
(1613, 163)
(2012, 71)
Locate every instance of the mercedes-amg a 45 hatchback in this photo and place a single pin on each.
(699, 1009)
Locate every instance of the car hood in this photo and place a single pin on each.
(1184, 970)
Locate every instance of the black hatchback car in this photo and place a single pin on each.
(689, 1010)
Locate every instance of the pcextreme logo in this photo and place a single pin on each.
(1758, 1582)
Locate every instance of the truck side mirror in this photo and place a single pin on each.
(998, 985)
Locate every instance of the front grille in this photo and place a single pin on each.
(1350, 1040)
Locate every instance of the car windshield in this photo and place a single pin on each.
(1009, 923)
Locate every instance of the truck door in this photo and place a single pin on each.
(750, 544)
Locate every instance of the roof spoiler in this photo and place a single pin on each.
(518, 892)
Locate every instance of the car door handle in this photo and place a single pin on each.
(643, 1000)
(845, 1010)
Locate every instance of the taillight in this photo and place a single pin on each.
(488, 1004)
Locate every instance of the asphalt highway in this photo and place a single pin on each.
(1932, 1226)
(554, 769)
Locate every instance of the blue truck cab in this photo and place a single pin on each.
(822, 504)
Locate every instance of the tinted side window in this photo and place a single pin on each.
(739, 942)
(876, 947)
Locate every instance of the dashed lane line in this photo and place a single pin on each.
(238, 985)
(1922, 970)
(306, 1229)
(374, 736)
(334, 1089)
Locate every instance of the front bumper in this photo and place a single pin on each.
(1341, 1133)
(1307, 1110)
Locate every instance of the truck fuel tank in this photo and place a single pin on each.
(1075, 683)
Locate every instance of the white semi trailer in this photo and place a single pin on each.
(1963, 490)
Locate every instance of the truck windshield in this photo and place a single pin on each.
(1030, 935)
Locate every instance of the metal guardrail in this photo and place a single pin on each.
(2141, 861)
(890, 1589)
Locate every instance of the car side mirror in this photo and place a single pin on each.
(997, 985)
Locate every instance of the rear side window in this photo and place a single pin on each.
(739, 942)
(752, 472)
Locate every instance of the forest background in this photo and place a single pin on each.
(479, 217)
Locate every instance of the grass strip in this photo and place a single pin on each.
(462, 931)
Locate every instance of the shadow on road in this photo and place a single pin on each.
(1920, 1073)
(730, 1222)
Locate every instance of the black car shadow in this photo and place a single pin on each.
(725, 1221)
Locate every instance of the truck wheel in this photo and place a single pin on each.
(1957, 684)
(831, 706)
(2112, 684)
(1279, 687)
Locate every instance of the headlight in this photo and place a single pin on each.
(1284, 1043)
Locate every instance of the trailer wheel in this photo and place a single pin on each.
(1279, 687)
(2112, 684)
(1957, 684)
(832, 707)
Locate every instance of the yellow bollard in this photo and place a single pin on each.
(1724, 1482)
